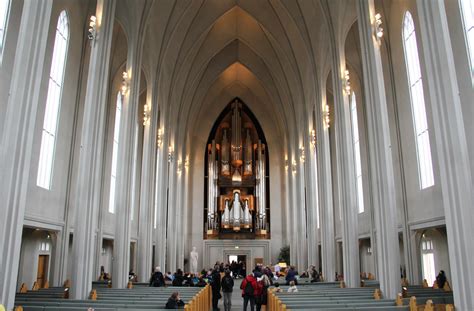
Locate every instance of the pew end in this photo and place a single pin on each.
(412, 304)
(23, 288)
(377, 294)
(93, 295)
(399, 300)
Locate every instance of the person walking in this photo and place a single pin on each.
(249, 289)
(216, 288)
(227, 284)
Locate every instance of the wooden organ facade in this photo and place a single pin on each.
(236, 181)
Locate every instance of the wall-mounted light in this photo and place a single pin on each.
(179, 167)
(146, 114)
(302, 155)
(378, 27)
(347, 82)
(313, 138)
(125, 83)
(159, 138)
(293, 167)
(326, 118)
(92, 31)
(186, 163)
(170, 154)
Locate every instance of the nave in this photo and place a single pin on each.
(178, 134)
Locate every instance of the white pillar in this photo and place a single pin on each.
(89, 182)
(124, 198)
(451, 147)
(17, 138)
(380, 154)
(312, 202)
(162, 197)
(345, 173)
(146, 213)
(328, 242)
(301, 215)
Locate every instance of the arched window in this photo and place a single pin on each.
(356, 143)
(4, 8)
(427, 253)
(415, 82)
(467, 9)
(53, 102)
(113, 170)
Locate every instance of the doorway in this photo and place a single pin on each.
(42, 275)
(238, 265)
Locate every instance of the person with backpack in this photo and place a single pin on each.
(157, 279)
(227, 285)
(249, 288)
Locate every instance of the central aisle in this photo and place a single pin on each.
(237, 301)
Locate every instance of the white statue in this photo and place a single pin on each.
(194, 260)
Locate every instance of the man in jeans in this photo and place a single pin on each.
(227, 285)
(250, 290)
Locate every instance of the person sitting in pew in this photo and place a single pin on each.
(174, 302)
(157, 279)
(178, 278)
(441, 279)
(277, 288)
(291, 276)
(292, 288)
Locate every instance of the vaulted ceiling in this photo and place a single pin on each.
(270, 53)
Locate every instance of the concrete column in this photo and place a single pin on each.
(380, 154)
(328, 243)
(451, 147)
(90, 159)
(162, 197)
(124, 197)
(345, 173)
(17, 139)
(312, 202)
(301, 215)
(171, 239)
(146, 213)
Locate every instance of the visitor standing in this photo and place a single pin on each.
(227, 285)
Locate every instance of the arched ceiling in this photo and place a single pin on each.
(271, 53)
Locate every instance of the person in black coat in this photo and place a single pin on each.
(216, 288)
(157, 279)
(174, 302)
(227, 285)
(178, 278)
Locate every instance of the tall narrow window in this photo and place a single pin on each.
(4, 8)
(467, 9)
(356, 143)
(429, 272)
(113, 170)
(53, 103)
(415, 81)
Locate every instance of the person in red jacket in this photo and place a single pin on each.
(250, 290)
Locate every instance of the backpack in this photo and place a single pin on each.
(248, 290)
(227, 283)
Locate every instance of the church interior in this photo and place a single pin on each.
(156, 133)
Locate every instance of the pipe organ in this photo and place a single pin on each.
(236, 178)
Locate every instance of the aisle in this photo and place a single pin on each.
(237, 301)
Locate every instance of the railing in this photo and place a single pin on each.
(202, 301)
(273, 302)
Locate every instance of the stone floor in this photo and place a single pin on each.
(237, 300)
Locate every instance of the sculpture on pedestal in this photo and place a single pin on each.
(194, 260)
